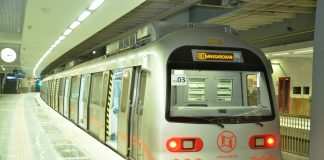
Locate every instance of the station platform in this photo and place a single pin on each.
(30, 130)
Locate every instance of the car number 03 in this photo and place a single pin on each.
(178, 80)
(181, 79)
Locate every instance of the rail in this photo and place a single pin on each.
(294, 131)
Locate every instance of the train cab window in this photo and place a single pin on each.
(252, 90)
(207, 93)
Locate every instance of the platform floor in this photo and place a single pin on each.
(30, 130)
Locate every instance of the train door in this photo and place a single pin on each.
(74, 98)
(53, 93)
(113, 106)
(126, 108)
(136, 118)
(284, 94)
(83, 101)
(61, 96)
(56, 88)
(96, 111)
(66, 107)
(48, 97)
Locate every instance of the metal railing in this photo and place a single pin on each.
(294, 131)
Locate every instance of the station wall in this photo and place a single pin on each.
(300, 72)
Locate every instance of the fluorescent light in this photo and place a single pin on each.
(304, 51)
(84, 15)
(61, 37)
(95, 4)
(57, 42)
(67, 32)
(74, 24)
(280, 54)
(11, 77)
(3, 69)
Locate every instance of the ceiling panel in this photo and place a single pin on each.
(11, 15)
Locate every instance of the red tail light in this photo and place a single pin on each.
(187, 144)
(262, 141)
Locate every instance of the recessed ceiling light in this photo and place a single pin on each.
(67, 32)
(74, 24)
(84, 15)
(95, 4)
(8, 55)
(61, 38)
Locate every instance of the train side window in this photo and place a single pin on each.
(61, 90)
(125, 89)
(142, 89)
(74, 88)
(96, 88)
(252, 90)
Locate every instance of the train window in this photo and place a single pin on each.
(75, 88)
(206, 93)
(74, 97)
(196, 89)
(124, 102)
(96, 88)
(252, 92)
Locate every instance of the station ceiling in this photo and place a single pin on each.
(31, 27)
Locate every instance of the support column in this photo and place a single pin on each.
(317, 111)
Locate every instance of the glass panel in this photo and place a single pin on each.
(252, 94)
(75, 84)
(196, 89)
(114, 109)
(96, 88)
(83, 102)
(66, 97)
(224, 90)
(219, 94)
(126, 78)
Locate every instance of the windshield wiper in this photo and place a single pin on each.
(256, 122)
(211, 120)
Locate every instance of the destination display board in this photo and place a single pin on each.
(217, 56)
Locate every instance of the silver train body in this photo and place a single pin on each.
(193, 94)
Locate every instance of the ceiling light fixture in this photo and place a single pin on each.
(8, 55)
(85, 14)
(95, 4)
(280, 54)
(74, 25)
(303, 51)
(61, 37)
(67, 32)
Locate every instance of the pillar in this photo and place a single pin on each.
(317, 111)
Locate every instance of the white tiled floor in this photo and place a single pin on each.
(31, 130)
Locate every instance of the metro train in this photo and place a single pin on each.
(175, 92)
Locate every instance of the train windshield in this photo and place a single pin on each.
(232, 96)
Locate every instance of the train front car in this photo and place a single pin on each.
(219, 99)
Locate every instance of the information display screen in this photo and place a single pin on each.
(217, 56)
